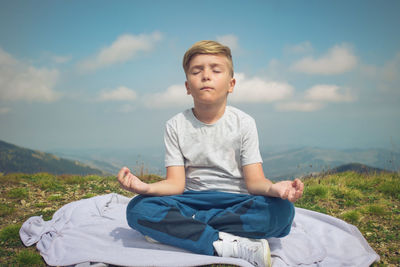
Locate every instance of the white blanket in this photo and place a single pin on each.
(95, 230)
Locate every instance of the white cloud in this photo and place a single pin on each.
(174, 96)
(122, 93)
(257, 90)
(327, 93)
(20, 81)
(299, 106)
(6, 59)
(254, 90)
(337, 60)
(316, 98)
(229, 40)
(123, 49)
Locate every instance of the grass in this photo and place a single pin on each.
(9, 235)
(23, 196)
(370, 202)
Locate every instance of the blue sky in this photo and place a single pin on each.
(107, 74)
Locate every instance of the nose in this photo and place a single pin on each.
(206, 74)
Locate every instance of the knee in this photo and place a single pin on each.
(281, 209)
(286, 216)
(278, 217)
(286, 209)
(136, 203)
(137, 208)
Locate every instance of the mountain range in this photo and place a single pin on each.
(282, 164)
(278, 163)
(17, 159)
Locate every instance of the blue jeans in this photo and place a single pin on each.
(193, 220)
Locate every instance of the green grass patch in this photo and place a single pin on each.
(46, 213)
(55, 197)
(6, 255)
(47, 182)
(364, 185)
(9, 235)
(18, 193)
(6, 209)
(370, 202)
(352, 216)
(72, 179)
(29, 258)
(41, 205)
(10, 179)
(89, 195)
(375, 209)
(94, 178)
(316, 192)
(346, 193)
(390, 187)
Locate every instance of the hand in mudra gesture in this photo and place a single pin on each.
(131, 183)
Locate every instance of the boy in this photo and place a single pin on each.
(215, 199)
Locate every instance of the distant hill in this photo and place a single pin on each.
(17, 159)
(351, 167)
(356, 167)
(112, 160)
(284, 164)
(279, 163)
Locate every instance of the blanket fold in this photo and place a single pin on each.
(95, 230)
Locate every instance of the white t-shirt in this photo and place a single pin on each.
(213, 154)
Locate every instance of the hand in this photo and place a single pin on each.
(290, 190)
(131, 183)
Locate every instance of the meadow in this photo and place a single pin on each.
(369, 201)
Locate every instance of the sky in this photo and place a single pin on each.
(108, 74)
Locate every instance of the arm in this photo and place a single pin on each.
(174, 183)
(257, 184)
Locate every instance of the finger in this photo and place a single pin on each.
(122, 172)
(297, 195)
(301, 187)
(293, 195)
(285, 194)
(127, 171)
(300, 191)
(296, 183)
(124, 179)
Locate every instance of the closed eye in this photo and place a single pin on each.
(196, 70)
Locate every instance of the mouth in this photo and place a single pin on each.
(206, 88)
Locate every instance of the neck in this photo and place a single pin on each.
(209, 114)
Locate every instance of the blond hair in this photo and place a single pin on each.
(207, 47)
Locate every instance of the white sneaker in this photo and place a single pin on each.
(151, 240)
(255, 251)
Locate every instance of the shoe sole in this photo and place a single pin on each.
(267, 252)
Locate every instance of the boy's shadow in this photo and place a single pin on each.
(133, 239)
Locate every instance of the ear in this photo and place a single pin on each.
(232, 85)
(187, 88)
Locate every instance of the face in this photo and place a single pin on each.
(208, 79)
